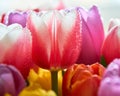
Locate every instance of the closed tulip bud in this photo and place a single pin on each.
(110, 84)
(11, 80)
(56, 38)
(15, 47)
(92, 36)
(111, 45)
(82, 80)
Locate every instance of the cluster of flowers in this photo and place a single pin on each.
(71, 39)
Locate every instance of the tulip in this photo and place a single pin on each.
(111, 45)
(11, 80)
(16, 17)
(92, 36)
(56, 38)
(82, 80)
(15, 47)
(40, 84)
(110, 84)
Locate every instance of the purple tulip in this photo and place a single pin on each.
(16, 17)
(11, 81)
(110, 84)
(92, 36)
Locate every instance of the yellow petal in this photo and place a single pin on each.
(32, 76)
(42, 79)
(36, 91)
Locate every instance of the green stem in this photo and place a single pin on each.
(54, 81)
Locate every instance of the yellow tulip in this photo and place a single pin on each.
(40, 84)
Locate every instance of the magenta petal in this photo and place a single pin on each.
(84, 13)
(110, 87)
(18, 79)
(11, 81)
(95, 25)
(92, 36)
(6, 81)
(111, 80)
(113, 69)
(16, 17)
(88, 54)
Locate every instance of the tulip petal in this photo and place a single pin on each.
(5, 76)
(16, 17)
(113, 23)
(15, 57)
(16, 47)
(11, 81)
(87, 54)
(96, 27)
(82, 80)
(92, 36)
(69, 38)
(8, 36)
(89, 87)
(18, 79)
(112, 85)
(40, 35)
(111, 80)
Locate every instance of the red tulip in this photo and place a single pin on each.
(56, 38)
(92, 36)
(15, 47)
(11, 81)
(111, 45)
(82, 80)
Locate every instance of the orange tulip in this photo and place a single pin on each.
(82, 80)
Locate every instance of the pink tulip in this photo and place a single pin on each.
(111, 45)
(11, 81)
(110, 84)
(16, 17)
(92, 36)
(15, 47)
(56, 38)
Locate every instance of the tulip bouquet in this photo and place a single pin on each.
(58, 53)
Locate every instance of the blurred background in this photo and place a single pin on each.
(108, 8)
